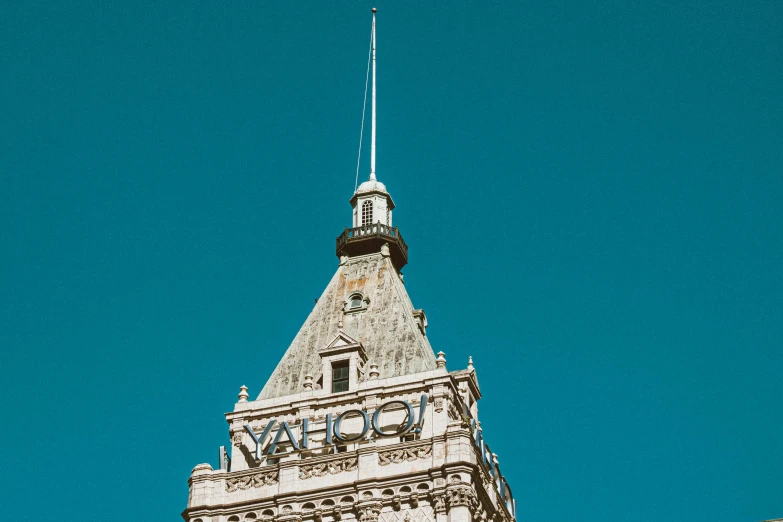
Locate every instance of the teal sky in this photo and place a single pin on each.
(592, 193)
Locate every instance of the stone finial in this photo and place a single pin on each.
(374, 373)
(440, 362)
(385, 250)
(243, 393)
(470, 363)
(308, 382)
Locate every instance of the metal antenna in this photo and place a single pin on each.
(372, 146)
(364, 111)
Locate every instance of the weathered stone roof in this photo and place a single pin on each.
(386, 328)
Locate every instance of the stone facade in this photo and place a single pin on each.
(435, 475)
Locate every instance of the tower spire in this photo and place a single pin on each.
(372, 140)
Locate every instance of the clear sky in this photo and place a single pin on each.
(592, 193)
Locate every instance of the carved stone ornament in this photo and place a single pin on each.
(370, 512)
(440, 503)
(401, 455)
(439, 405)
(331, 467)
(462, 496)
(237, 438)
(258, 480)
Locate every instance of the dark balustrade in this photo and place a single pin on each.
(372, 231)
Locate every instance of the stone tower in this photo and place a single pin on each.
(359, 421)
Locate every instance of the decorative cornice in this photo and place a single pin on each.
(397, 456)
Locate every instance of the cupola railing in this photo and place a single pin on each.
(369, 238)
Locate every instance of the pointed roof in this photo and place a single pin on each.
(386, 327)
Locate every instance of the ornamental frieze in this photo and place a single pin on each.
(331, 467)
(401, 455)
(258, 480)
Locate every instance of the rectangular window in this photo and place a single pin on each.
(340, 376)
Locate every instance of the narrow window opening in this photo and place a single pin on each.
(340, 376)
(356, 301)
(367, 213)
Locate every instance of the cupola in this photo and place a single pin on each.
(372, 204)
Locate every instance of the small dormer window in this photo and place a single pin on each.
(367, 213)
(355, 303)
(340, 376)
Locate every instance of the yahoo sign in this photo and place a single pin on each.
(371, 427)
(490, 464)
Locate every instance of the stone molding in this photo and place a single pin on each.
(290, 517)
(329, 467)
(397, 456)
(255, 480)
